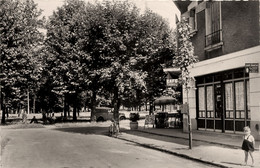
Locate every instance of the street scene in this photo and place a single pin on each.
(82, 146)
(129, 83)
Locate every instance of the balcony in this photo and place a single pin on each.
(213, 40)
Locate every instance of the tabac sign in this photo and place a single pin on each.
(252, 67)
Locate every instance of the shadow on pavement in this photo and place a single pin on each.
(85, 130)
(177, 140)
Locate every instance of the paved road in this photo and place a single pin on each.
(79, 147)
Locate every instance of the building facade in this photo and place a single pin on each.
(225, 95)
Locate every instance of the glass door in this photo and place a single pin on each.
(219, 117)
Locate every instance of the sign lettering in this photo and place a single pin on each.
(252, 67)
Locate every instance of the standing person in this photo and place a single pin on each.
(248, 144)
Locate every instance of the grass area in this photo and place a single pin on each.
(22, 126)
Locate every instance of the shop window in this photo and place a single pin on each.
(229, 100)
(201, 102)
(210, 102)
(239, 93)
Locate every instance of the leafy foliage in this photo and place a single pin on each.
(185, 53)
(103, 50)
(20, 46)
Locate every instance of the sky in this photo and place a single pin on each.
(165, 8)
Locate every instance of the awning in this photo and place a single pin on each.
(165, 100)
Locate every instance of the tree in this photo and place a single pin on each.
(156, 44)
(65, 63)
(19, 43)
(106, 47)
(132, 47)
(185, 59)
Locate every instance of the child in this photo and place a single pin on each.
(248, 144)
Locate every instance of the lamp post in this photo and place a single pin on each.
(188, 114)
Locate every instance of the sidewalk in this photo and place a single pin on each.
(223, 150)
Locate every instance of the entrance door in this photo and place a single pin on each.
(219, 117)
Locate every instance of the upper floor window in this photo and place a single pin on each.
(192, 20)
(213, 23)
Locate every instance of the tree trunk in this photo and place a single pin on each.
(34, 100)
(3, 112)
(93, 105)
(116, 104)
(67, 105)
(64, 106)
(75, 107)
(68, 110)
(151, 107)
(18, 110)
(7, 113)
(2, 108)
(28, 101)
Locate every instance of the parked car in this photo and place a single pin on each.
(105, 113)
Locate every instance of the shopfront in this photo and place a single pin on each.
(223, 101)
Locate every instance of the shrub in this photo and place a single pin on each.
(134, 117)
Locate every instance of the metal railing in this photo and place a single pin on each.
(213, 38)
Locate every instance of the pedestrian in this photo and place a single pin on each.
(34, 120)
(248, 145)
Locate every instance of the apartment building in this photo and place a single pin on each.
(225, 95)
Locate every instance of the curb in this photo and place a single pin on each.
(171, 136)
(173, 153)
(216, 143)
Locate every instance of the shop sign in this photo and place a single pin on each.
(252, 67)
(172, 82)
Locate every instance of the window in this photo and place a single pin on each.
(213, 25)
(239, 93)
(210, 102)
(192, 20)
(229, 100)
(201, 102)
(223, 100)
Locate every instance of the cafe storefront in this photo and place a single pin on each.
(223, 101)
(225, 95)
